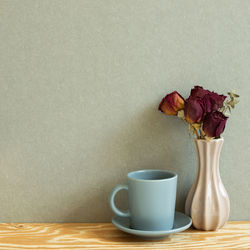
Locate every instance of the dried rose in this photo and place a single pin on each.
(211, 100)
(172, 103)
(214, 124)
(193, 110)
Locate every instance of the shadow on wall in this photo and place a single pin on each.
(150, 140)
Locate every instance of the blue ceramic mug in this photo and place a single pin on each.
(151, 198)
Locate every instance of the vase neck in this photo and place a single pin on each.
(208, 154)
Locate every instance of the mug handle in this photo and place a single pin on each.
(112, 201)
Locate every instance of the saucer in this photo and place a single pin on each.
(181, 223)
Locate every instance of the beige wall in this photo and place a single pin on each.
(80, 82)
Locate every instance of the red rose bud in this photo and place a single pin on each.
(172, 103)
(214, 124)
(193, 110)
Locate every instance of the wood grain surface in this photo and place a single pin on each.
(234, 235)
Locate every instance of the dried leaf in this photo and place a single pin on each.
(196, 125)
(222, 109)
(233, 94)
(180, 114)
(207, 138)
(230, 103)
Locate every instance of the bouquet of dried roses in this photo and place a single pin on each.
(206, 112)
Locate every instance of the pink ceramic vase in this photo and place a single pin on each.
(207, 201)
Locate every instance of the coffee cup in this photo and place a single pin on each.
(151, 199)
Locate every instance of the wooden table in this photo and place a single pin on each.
(234, 235)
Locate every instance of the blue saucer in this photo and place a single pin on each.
(181, 223)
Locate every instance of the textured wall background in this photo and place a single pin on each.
(80, 82)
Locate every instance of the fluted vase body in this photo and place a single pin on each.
(207, 201)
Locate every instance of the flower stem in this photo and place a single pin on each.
(202, 133)
(197, 135)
